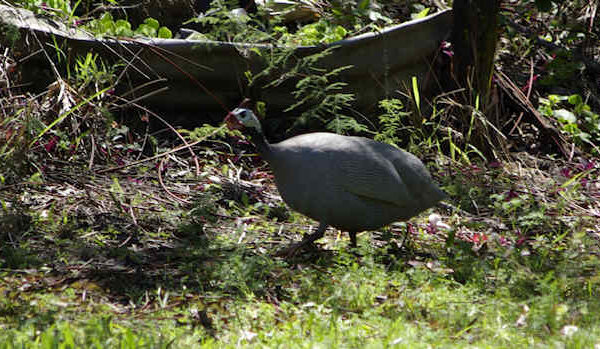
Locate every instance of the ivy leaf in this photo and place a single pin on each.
(422, 14)
(123, 28)
(152, 23)
(146, 30)
(164, 33)
(575, 99)
(565, 116)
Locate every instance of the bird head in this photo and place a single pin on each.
(241, 118)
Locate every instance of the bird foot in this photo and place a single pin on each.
(308, 240)
(293, 249)
(289, 251)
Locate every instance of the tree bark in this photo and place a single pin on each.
(474, 38)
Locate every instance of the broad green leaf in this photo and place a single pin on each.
(146, 30)
(164, 33)
(564, 115)
(153, 23)
(421, 14)
(575, 99)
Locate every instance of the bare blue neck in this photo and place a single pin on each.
(261, 143)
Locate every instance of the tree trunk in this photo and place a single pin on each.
(474, 38)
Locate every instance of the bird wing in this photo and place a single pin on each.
(371, 173)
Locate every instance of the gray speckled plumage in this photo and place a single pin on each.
(351, 183)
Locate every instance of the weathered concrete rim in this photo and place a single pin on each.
(26, 19)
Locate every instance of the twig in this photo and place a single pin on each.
(196, 163)
(125, 242)
(139, 98)
(517, 95)
(162, 184)
(130, 63)
(91, 162)
(159, 51)
(148, 83)
(529, 88)
(160, 155)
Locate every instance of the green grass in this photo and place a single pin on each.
(115, 262)
(216, 291)
(350, 303)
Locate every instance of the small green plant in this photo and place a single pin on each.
(90, 70)
(562, 69)
(103, 26)
(220, 24)
(325, 101)
(575, 118)
(10, 32)
(391, 121)
(106, 25)
(404, 123)
(321, 32)
(319, 96)
(522, 210)
(356, 15)
(61, 8)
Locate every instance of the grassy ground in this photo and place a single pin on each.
(78, 269)
(101, 248)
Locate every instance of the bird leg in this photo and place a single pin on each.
(310, 238)
(352, 239)
(291, 250)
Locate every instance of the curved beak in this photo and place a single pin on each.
(232, 122)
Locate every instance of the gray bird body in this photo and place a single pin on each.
(351, 183)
